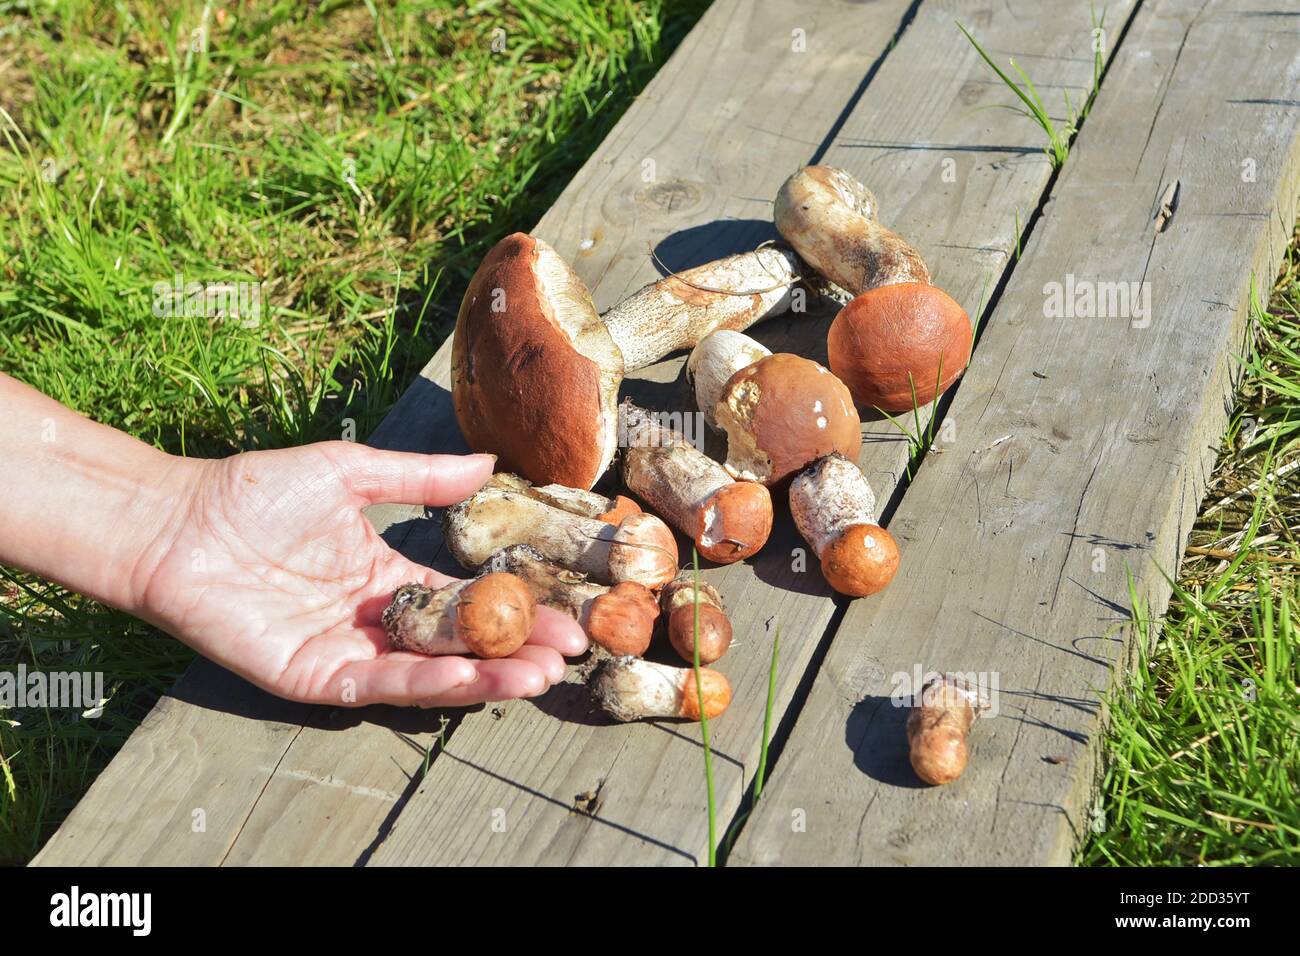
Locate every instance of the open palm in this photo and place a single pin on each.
(272, 570)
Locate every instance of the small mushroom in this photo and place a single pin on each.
(779, 412)
(835, 510)
(899, 344)
(729, 520)
(629, 688)
(535, 371)
(678, 602)
(717, 357)
(490, 616)
(620, 619)
(937, 728)
(830, 219)
(561, 525)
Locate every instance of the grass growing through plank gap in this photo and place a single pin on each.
(1058, 137)
(1201, 765)
(704, 720)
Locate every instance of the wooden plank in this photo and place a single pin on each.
(1083, 448)
(505, 791)
(320, 786)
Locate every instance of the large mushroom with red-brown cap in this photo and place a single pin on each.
(535, 371)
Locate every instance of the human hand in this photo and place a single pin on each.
(270, 568)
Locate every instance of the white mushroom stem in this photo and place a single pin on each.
(632, 689)
(552, 585)
(508, 511)
(828, 498)
(717, 357)
(679, 310)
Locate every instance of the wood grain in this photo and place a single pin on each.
(505, 791)
(1082, 450)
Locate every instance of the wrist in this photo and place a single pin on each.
(154, 517)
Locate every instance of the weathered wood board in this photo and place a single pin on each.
(280, 783)
(506, 789)
(1082, 448)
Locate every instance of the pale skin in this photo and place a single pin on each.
(262, 562)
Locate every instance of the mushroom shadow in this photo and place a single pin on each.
(876, 732)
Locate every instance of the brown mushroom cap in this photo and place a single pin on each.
(534, 371)
(936, 734)
(494, 615)
(623, 620)
(783, 412)
(885, 334)
(861, 561)
(715, 632)
(734, 523)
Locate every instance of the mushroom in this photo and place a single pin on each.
(678, 602)
(489, 616)
(565, 526)
(937, 728)
(729, 520)
(835, 510)
(830, 219)
(535, 371)
(780, 412)
(678, 310)
(717, 357)
(620, 619)
(629, 688)
(900, 343)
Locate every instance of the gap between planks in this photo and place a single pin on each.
(483, 806)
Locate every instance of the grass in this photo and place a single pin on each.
(1202, 766)
(353, 159)
(1058, 137)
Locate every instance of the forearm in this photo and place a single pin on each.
(81, 503)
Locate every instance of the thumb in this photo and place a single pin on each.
(398, 477)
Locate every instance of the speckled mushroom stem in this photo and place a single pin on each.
(559, 524)
(632, 689)
(620, 619)
(679, 310)
(830, 219)
(490, 617)
(834, 509)
(729, 520)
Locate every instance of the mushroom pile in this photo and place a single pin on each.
(536, 374)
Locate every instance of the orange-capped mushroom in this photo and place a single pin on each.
(834, 509)
(490, 616)
(900, 341)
